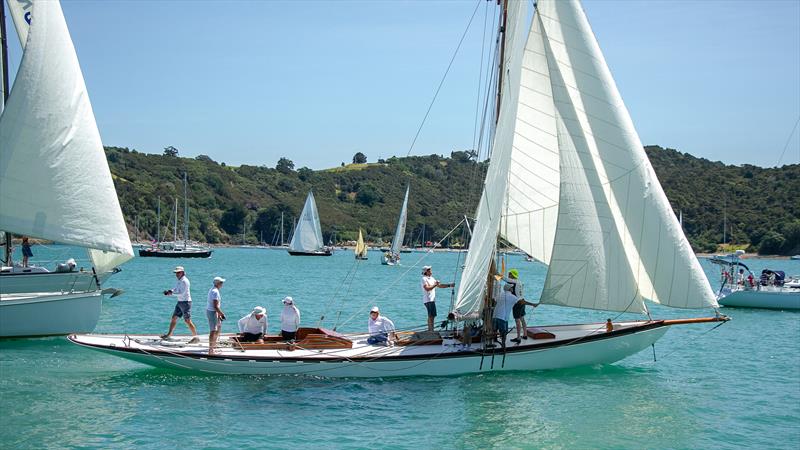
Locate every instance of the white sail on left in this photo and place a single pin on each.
(50, 142)
(21, 12)
(308, 234)
(400, 231)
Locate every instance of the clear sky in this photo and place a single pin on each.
(247, 82)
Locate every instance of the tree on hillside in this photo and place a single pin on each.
(232, 220)
(170, 151)
(285, 166)
(304, 173)
(359, 158)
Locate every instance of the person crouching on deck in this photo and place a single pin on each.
(381, 329)
(253, 326)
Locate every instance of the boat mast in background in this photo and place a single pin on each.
(185, 214)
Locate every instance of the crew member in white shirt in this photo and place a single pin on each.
(502, 308)
(429, 285)
(183, 308)
(290, 319)
(253, 326)
(214, 313)
(381, 329)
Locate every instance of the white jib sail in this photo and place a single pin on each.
(617, 240)
(308, 234)
(400, 231)
(490, 207)
(361, 247)
(49, 142)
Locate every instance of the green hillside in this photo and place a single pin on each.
(223, 199)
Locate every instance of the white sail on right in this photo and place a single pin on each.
(308, 234)
(577, 189)
(400, 231)
(50, 143)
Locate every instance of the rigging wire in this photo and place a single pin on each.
(788, 141)
(436, 94)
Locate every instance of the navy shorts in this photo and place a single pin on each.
(501, 326)
(431, 307)
(183, 309)
(518, 310)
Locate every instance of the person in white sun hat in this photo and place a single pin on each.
(183, 308)
(214, 313)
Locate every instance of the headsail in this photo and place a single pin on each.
(361, 247)
(21, 14)
(50, 142)
(400, 231)
(580, 193)
(490, 207)
(308, 234)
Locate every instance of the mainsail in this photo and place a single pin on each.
(308, 234)
(571, 180)
(50, 142)
(400, 231)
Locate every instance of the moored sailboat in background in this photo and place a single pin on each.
(307, 237)
(176, 248)
(49, 143)
(361, 247)
(392, 256)
(569, 183)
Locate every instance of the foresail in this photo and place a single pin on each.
(50, 143)
(400, 231)
(490, 207)
(617, 240)
(308, 234)
(531, 209)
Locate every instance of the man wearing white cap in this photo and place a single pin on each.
(214, 313)
(253, 326)
(290, 319)
(381, 329)
(429, 285)
(183, 308)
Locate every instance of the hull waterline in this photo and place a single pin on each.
(49, 314)
(573, 346)
(782, 300)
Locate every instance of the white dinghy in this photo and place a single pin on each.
(568, 183)
(49, 143)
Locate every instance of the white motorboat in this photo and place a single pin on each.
(740, 288)
(55, 183)
(568, 183)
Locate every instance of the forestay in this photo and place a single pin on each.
(400, 231)
(308, 234)
(580, 193)
(50, 143)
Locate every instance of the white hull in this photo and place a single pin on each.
(574, 345)
(787, 298)
(78, 281)
(49, 314)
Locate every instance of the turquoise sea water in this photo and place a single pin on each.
(736, 386)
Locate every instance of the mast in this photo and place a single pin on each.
(281, 228)
(502, 54)
(175, 228)
(185, 213)
(158, 222)
(4, 86)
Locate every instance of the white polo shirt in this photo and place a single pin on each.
(428, 296)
